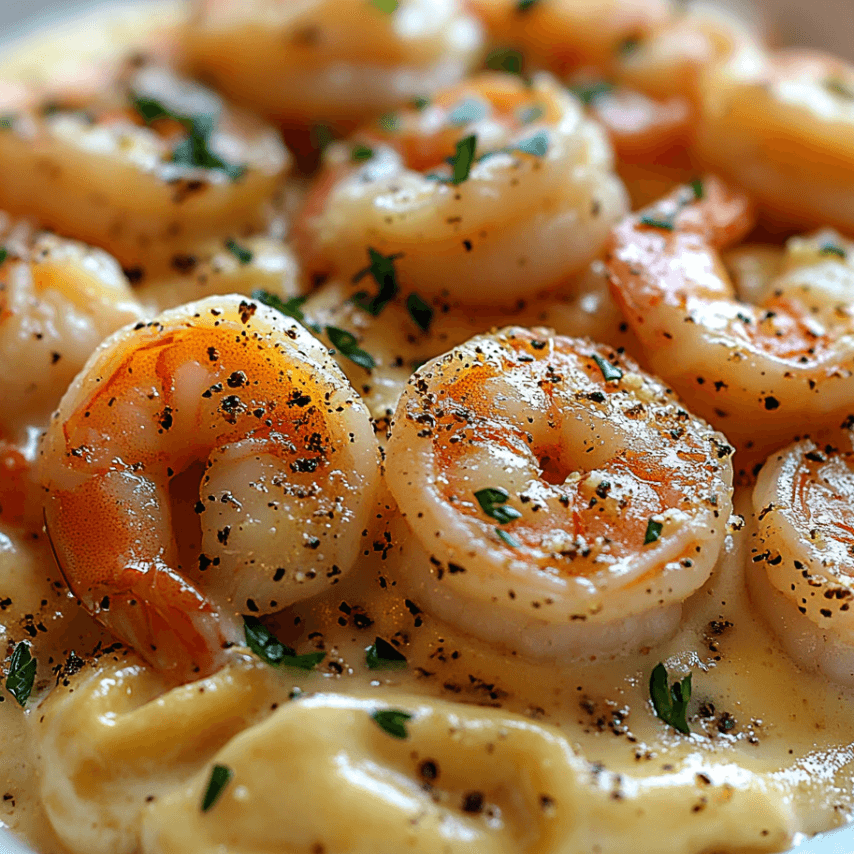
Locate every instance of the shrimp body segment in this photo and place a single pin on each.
(528, 203)
(802, 575)
(141, 163)
(763, 373)
(210, 463)
(331, 61)
(615, 498)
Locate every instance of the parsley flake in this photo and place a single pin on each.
(4, 254)
(698, 189)
(22, 673)
(839, 87)
(492, 501)
(381, 269)
(528, 115)
(220, 777)
(831, 248)
(420, 312)
(291, 308)
(610, 372)
(653, 532)
(392, 721)
(361, 152)
(387, 6)
(628, 45)
(664, 223)
(462, 161)
(389, 122)
(507, 539)
(347, 344)
(381, 655)
(670, 705)
(7, 121)
(538, 144)
(270, 649)
(525, 5)
(590, 93)
(470, 110)
(420, 103)
(506, 59)
(243, 255)
(321, 137)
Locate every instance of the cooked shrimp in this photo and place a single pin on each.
(562, 556)
(561, 35)
(527, 204)
(136, 161)
(336, 62)
(765, 373)
(802, 574)
(225, 405)
(784, 130)
(58, 300)
(229, 266)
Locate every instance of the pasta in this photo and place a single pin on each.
(426, 427)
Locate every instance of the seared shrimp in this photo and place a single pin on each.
(335, 62)
(802, 574)
(528, 200)
(136, 161)
(784, 130)
(58, 300)
(764, 373)
(560, 500)
(210, 463)
(561, 35)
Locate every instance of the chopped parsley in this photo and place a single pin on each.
(506, 59)
(381, 269)
(361, 152)
(610, 372)
(665, 223)
(291, 308)
(525, 5)
(387, 6)
(392, 721)
(7, 121)
(507, 539)
(670, 704)
(492, 501)
(628, 45)
(538, 144)
(347, 344)
(420, 312)
(653, 532)
(827, 248)
(220, 777)
(420, 103)
(590, 93)
(839, 87)
(22, 673)
(381, 655)
(461, 162)
(698, 189)
(528, 115)
(470, 110)
(243, 255)
(389, 122)
(321, 137)
(4, 254)
(270, 649)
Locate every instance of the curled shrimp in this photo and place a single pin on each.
(802, 574)
(528, 202)
(335, 62)
(763, 373)
(548, 483)
(58, 300)
(209, 463)
(783, 128)
(137, 161)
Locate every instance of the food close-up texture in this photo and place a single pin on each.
(425, 426)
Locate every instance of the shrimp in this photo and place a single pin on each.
(802, 574)
(209, 463)
(765, 373)
(331, 62)
(58, 300)
(562, 35)
(527, 204)
(484, 461)
(784, 130)
(137, 161)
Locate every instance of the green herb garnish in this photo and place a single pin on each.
(243, 255)
(291, 308)
(653, 532)
(698, 189)
(670, 704)
(22, 673)
(4, 254)
(830, 248)
(387, 6)
(392, 721)
(610, 372)
(628, 45)
(538, 144)
(506, 59)
(7, 121)
(462, 161)
(470, 110)
(347, 344)
(528, 115)
(839, 87)
(270, 649)
(420, 103)
(658, 222)
(525, 5)
(420, 312)
(361, 152)
(389, 122)
(381, 269)
(507, 539)
(381, 655)
(590, 93)
(220, 777)
(321, 137)
(492, 501)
